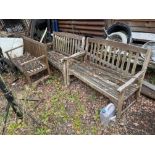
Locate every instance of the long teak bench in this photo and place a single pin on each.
(33, 61)
(111, 68)
(64, 45)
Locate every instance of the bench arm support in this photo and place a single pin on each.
(7, 52)
(131, 81)
(76, 55)
(32, 60)
(13, 49)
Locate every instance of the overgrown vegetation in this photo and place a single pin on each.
(61, 110)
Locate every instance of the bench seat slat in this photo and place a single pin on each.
(97, 79)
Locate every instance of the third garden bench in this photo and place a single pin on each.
(112, 69)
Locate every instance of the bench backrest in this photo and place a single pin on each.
(34, 47)
(67, 43)
(117, 56)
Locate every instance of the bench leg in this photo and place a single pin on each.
(139, 90)
(120, 105)
(68, 79)
(138, 94)
(65, 73)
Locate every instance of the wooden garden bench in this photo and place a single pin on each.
(33, 62)
(64, 45)
(112, 69)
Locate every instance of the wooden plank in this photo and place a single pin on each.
(137, 23)
(148, 89)
(73, 46)
(114, 57)
(118, 58)
(143, 29)
(97, 33)
(32, 60)
(76, 27)
(109, 55)
(94, 52)
(101, 23)
(101, 54)
(135, 64)
(128, 63)
(124, 59)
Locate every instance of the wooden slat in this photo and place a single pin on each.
(143, 29)
(105, 53)
(128, 63)
(98, 28)
(94, 52)
(135, 64)
(114, 56)
(101, 54)
(137, 23)
(82, 22)
(123, 60)
(109, 55)
(96, 33)
(118, 58)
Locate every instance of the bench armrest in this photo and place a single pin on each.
(32, 60)
(131, 81)
(76, 55)
(7, 52)
(13, 49)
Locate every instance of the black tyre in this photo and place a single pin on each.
(120, 27)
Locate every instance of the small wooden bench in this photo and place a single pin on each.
(33, 61)
(110, 68)
(64, 45)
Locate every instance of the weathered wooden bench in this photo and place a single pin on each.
(64, 45)
(112, 69)
(33, 61)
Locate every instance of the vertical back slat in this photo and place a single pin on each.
(94, 52)
(76, 46)
(91, 50)
(105, 52)
(73, 46)
(128, 63)
(123, 60)
(69, 51)
(118, 58)
(101, 53)
(114, 56)
(109, 55)
(135, 63)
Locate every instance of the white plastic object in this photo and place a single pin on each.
(107, 114)
(118, 35)
(9, 43)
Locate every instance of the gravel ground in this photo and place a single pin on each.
(72, 110)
